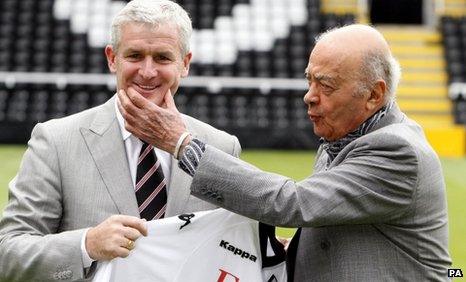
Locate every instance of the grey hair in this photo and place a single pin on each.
(154, 12)
(376, 65)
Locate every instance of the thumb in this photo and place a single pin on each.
(168, 99)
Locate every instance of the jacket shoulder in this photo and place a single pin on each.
(67, 128)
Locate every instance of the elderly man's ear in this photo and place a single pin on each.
(376, 98)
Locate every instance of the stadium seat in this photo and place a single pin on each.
(39, 104)
(242, 38)
(18, 105)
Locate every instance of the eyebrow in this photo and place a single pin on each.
(131, 49)
(320, 77)
(166, 53)
(325, 77)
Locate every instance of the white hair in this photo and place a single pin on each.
(154, 12)
(376, 65)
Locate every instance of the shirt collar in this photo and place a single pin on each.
(121, 121)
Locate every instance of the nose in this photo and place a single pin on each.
(148, 68)
(311, 96)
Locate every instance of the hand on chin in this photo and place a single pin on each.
(155, 96)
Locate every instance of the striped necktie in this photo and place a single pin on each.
(151, 192)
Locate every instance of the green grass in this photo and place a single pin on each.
(10, 158)
(455, 178)
(298, 165)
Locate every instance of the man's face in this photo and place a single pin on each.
(149, 60)
(335, 105)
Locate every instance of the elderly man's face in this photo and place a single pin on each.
(335, 105)
(149, 60)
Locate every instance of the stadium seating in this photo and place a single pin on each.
(454, 40)
(43, 36)
(232, 38)
(267, 42)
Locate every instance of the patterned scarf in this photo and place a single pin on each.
(334, 147)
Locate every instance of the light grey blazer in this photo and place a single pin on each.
(377, 212)
(74, 175)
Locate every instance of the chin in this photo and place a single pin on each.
(318, 132)
(155, 98)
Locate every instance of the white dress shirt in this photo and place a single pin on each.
(133, 147)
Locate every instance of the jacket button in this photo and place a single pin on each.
(68, 274)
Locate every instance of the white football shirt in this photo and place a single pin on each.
(215, 245)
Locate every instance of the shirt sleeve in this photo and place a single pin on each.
(87, 261)
(191, 156)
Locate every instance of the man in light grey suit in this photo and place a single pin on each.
(73, 200)
(374, 209)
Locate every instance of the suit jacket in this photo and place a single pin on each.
(377, 212)
(74, 175)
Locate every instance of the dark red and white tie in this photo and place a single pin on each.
(151, 190)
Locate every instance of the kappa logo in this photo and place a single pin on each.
(237, 251)
(187, 218)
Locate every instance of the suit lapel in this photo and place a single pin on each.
(104, 141)
(180, 183)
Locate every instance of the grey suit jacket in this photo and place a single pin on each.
(74, 175)
(377, 212)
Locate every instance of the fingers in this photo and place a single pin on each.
(137, 99)
(159, 126)
(114, 237)
(131, 233)
(135, 224)
(169, 101)
(129, 111)
(122, 253)
(130, 244)
(125, 104)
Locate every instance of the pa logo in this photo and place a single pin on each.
(455, 272)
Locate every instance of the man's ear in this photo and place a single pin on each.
(110, 54)
(186, 62)
(377, 95)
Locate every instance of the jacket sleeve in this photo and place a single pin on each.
(32, 246)
(374, 183)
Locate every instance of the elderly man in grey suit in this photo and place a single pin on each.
(74, 201)
(373, 210)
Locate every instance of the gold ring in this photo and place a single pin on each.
(130, 245)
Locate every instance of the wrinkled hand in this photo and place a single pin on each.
(110, 238)
(159, 126)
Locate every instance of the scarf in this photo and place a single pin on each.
(333, 148)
